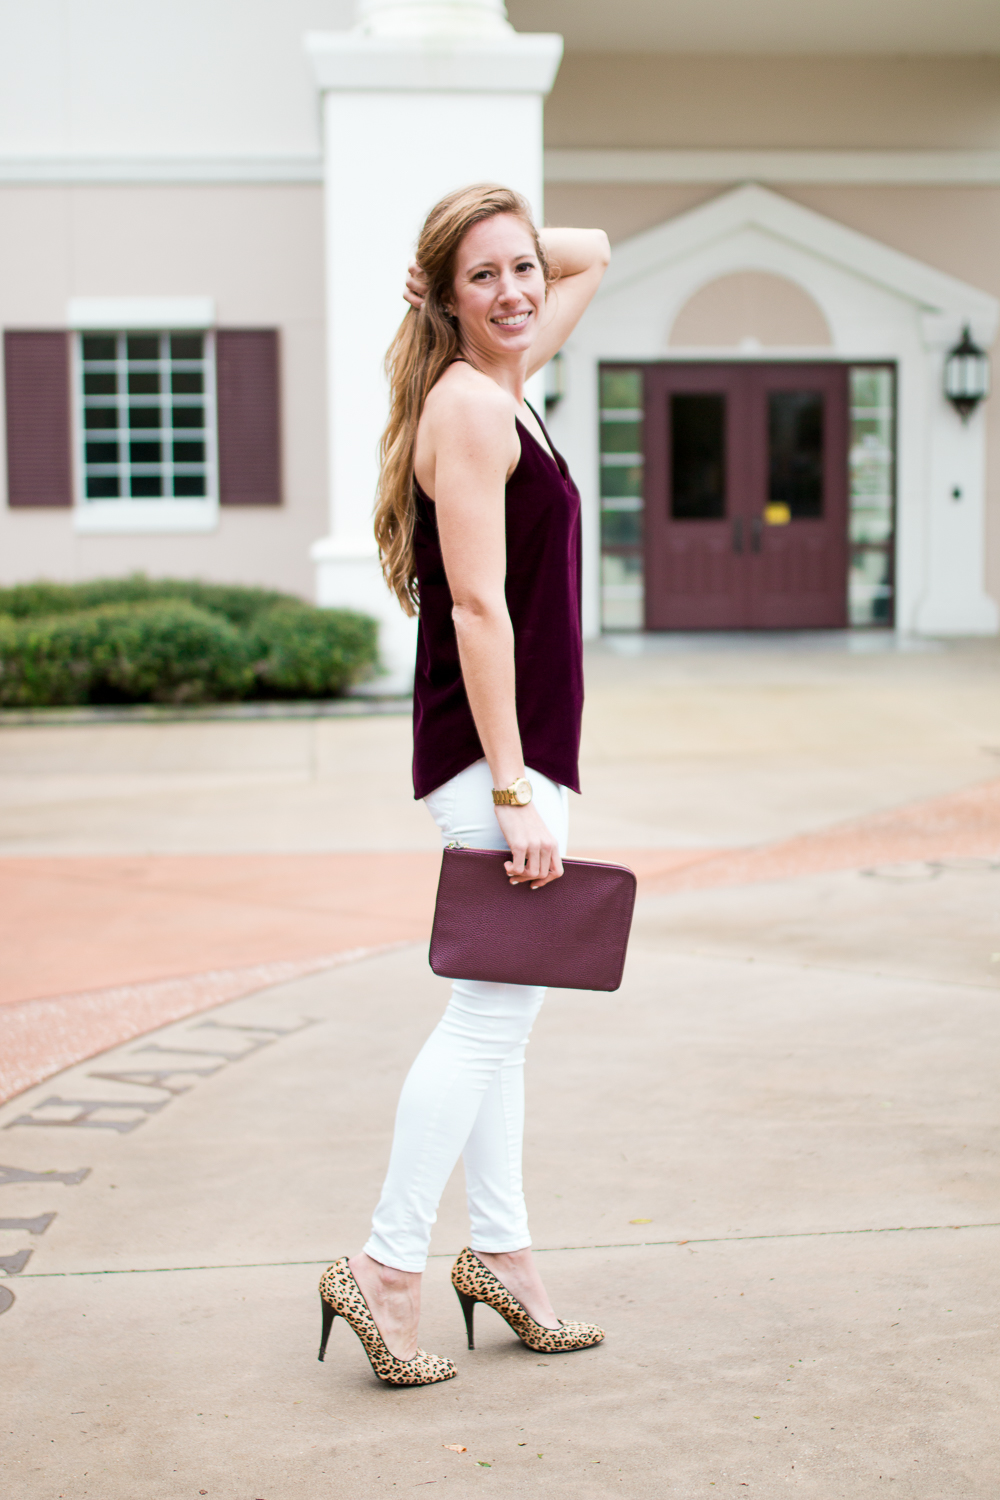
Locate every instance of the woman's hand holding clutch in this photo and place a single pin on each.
(534, 851)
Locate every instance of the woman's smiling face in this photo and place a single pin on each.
(499, 289)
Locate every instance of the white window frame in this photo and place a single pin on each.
(150, 315)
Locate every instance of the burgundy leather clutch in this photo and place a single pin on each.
(571, 934)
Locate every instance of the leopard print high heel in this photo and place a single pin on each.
(475, 1283)
(340, 1293)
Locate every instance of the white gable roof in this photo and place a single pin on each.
(934, 293)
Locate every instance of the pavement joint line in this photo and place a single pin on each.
(785, 963)
(721, 1239)
(350, 706)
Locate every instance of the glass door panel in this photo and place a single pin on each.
(698, 457)
(873, 494)
(622, 461)
(795, 454)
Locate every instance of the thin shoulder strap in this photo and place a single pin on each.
(540, 423)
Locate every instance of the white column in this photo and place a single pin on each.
(420, 98)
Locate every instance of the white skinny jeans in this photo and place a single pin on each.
(464, 1095)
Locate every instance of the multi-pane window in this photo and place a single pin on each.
(872, 490)
(148, 416)
(622, 460)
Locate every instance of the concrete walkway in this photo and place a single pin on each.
(768, 1165)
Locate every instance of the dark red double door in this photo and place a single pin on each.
(746, 496)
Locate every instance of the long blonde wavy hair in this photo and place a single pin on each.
(428, 341)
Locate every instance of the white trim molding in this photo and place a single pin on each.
(137, 170)
(116, 313)
(919, 168)
(562, 165)
(144, 518)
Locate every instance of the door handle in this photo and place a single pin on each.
(738, 534)
(756, 534)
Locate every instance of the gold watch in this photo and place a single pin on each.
(518, 794)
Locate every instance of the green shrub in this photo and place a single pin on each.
(303, 652)
(170, 652)
(43, 663)
(239, 603)
(168, 640)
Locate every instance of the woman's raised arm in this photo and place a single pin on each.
(582, 257)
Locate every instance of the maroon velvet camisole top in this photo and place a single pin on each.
(543, 600)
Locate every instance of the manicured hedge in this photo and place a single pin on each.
(240, 603)
(170, 641)
(121, 653)
(310, 653)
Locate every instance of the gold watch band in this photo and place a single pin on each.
(518, 794)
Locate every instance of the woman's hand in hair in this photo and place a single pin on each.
(416, 286)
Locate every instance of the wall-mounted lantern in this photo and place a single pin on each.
(966, 375)
(555, 382)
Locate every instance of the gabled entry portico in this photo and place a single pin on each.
(870, 305)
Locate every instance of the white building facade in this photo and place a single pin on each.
(207, 211)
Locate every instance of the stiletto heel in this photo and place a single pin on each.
(329, 1313)
(342, 1295)
(469, 1308)
(474, 1283)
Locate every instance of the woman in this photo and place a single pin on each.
(478, 521)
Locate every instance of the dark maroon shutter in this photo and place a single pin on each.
(36, 377)
(246, 371)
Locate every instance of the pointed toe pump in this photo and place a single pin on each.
(475, 1283)
(341, 1295)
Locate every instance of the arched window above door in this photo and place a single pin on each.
(750, 310)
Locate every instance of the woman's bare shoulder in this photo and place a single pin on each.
(467, 424)
(465, 399)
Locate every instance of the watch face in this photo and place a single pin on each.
(522, 792)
